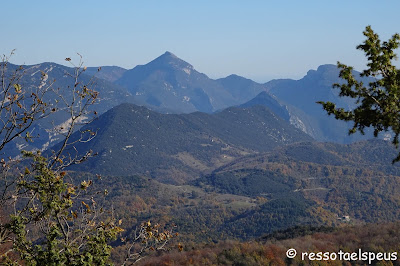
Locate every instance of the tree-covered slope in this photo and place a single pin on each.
(357, 180)
(171, 147)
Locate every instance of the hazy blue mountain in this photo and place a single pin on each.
(170, 85)
(175, 148)
(265, 99)
(304, 93)
(290, 113)
(241, 88)
(109, 73)
(169, 82)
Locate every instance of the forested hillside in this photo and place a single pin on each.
(175, 148)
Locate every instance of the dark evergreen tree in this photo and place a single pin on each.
(378, 102)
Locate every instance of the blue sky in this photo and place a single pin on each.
(260, 40)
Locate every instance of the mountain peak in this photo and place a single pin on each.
(170, 59)
(327, 71)
(168, 53)
(327, 67)
(236, 77)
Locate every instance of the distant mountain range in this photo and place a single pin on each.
(168, 84)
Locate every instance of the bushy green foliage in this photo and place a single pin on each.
(378, 102)
(69, 235)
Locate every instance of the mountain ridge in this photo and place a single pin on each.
(172, 83)
(178, 147)
(303, 94)
(169, 84)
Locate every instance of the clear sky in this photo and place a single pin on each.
(260, 40)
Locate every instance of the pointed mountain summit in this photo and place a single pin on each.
(265, 99)
(171, 83)
(170, 59)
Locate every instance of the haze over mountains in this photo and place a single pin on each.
(171, 85)
(168, 84)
